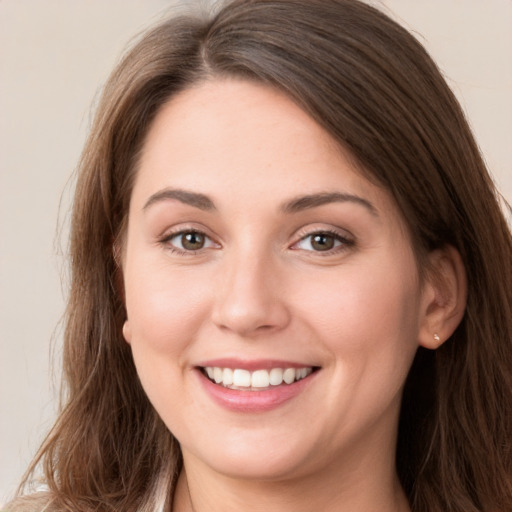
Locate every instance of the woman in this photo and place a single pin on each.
(291, 278)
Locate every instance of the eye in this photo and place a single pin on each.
(189, 241)
(322, 241)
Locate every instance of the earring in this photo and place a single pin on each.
(437, 338)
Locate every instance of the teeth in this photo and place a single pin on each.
(227, 376)
(259, 379)
(276, 376)
(301, 373)
(217, 375)
(241, 378)
(289, 375)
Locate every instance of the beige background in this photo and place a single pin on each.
(54, 56)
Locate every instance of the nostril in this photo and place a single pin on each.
(265, 327)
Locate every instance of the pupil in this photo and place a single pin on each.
(192, 241)
(322, 242)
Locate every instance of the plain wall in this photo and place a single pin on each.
(54, 57)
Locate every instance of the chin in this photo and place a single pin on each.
(254, 457)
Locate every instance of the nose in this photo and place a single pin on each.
(250, 298)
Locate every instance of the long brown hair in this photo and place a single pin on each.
(373, 87)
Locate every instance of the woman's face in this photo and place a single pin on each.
(258, 257)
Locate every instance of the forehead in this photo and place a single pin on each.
(242, 142)
(249, 117)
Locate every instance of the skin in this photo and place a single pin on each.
(258, 289)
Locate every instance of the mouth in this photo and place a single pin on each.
(257, 380)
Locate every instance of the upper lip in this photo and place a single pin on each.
(253, 364)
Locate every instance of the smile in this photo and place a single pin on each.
(237, 378)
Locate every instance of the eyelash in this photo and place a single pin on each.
(344, 242)
(166, 241)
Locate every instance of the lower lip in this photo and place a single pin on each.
(254, 401)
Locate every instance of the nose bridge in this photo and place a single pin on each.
(249, 299)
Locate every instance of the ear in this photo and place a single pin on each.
(127, 332)
(119, 285)
(444, 297)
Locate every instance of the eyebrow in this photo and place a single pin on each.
(194, 199)
(298, 204)
(314, 200)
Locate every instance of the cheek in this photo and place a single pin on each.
(163, 306)
(368, 303)
(368, 321)
(165, 311)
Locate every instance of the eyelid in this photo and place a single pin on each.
(168, 235)
(346, 239)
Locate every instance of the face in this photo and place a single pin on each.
(272, 294)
